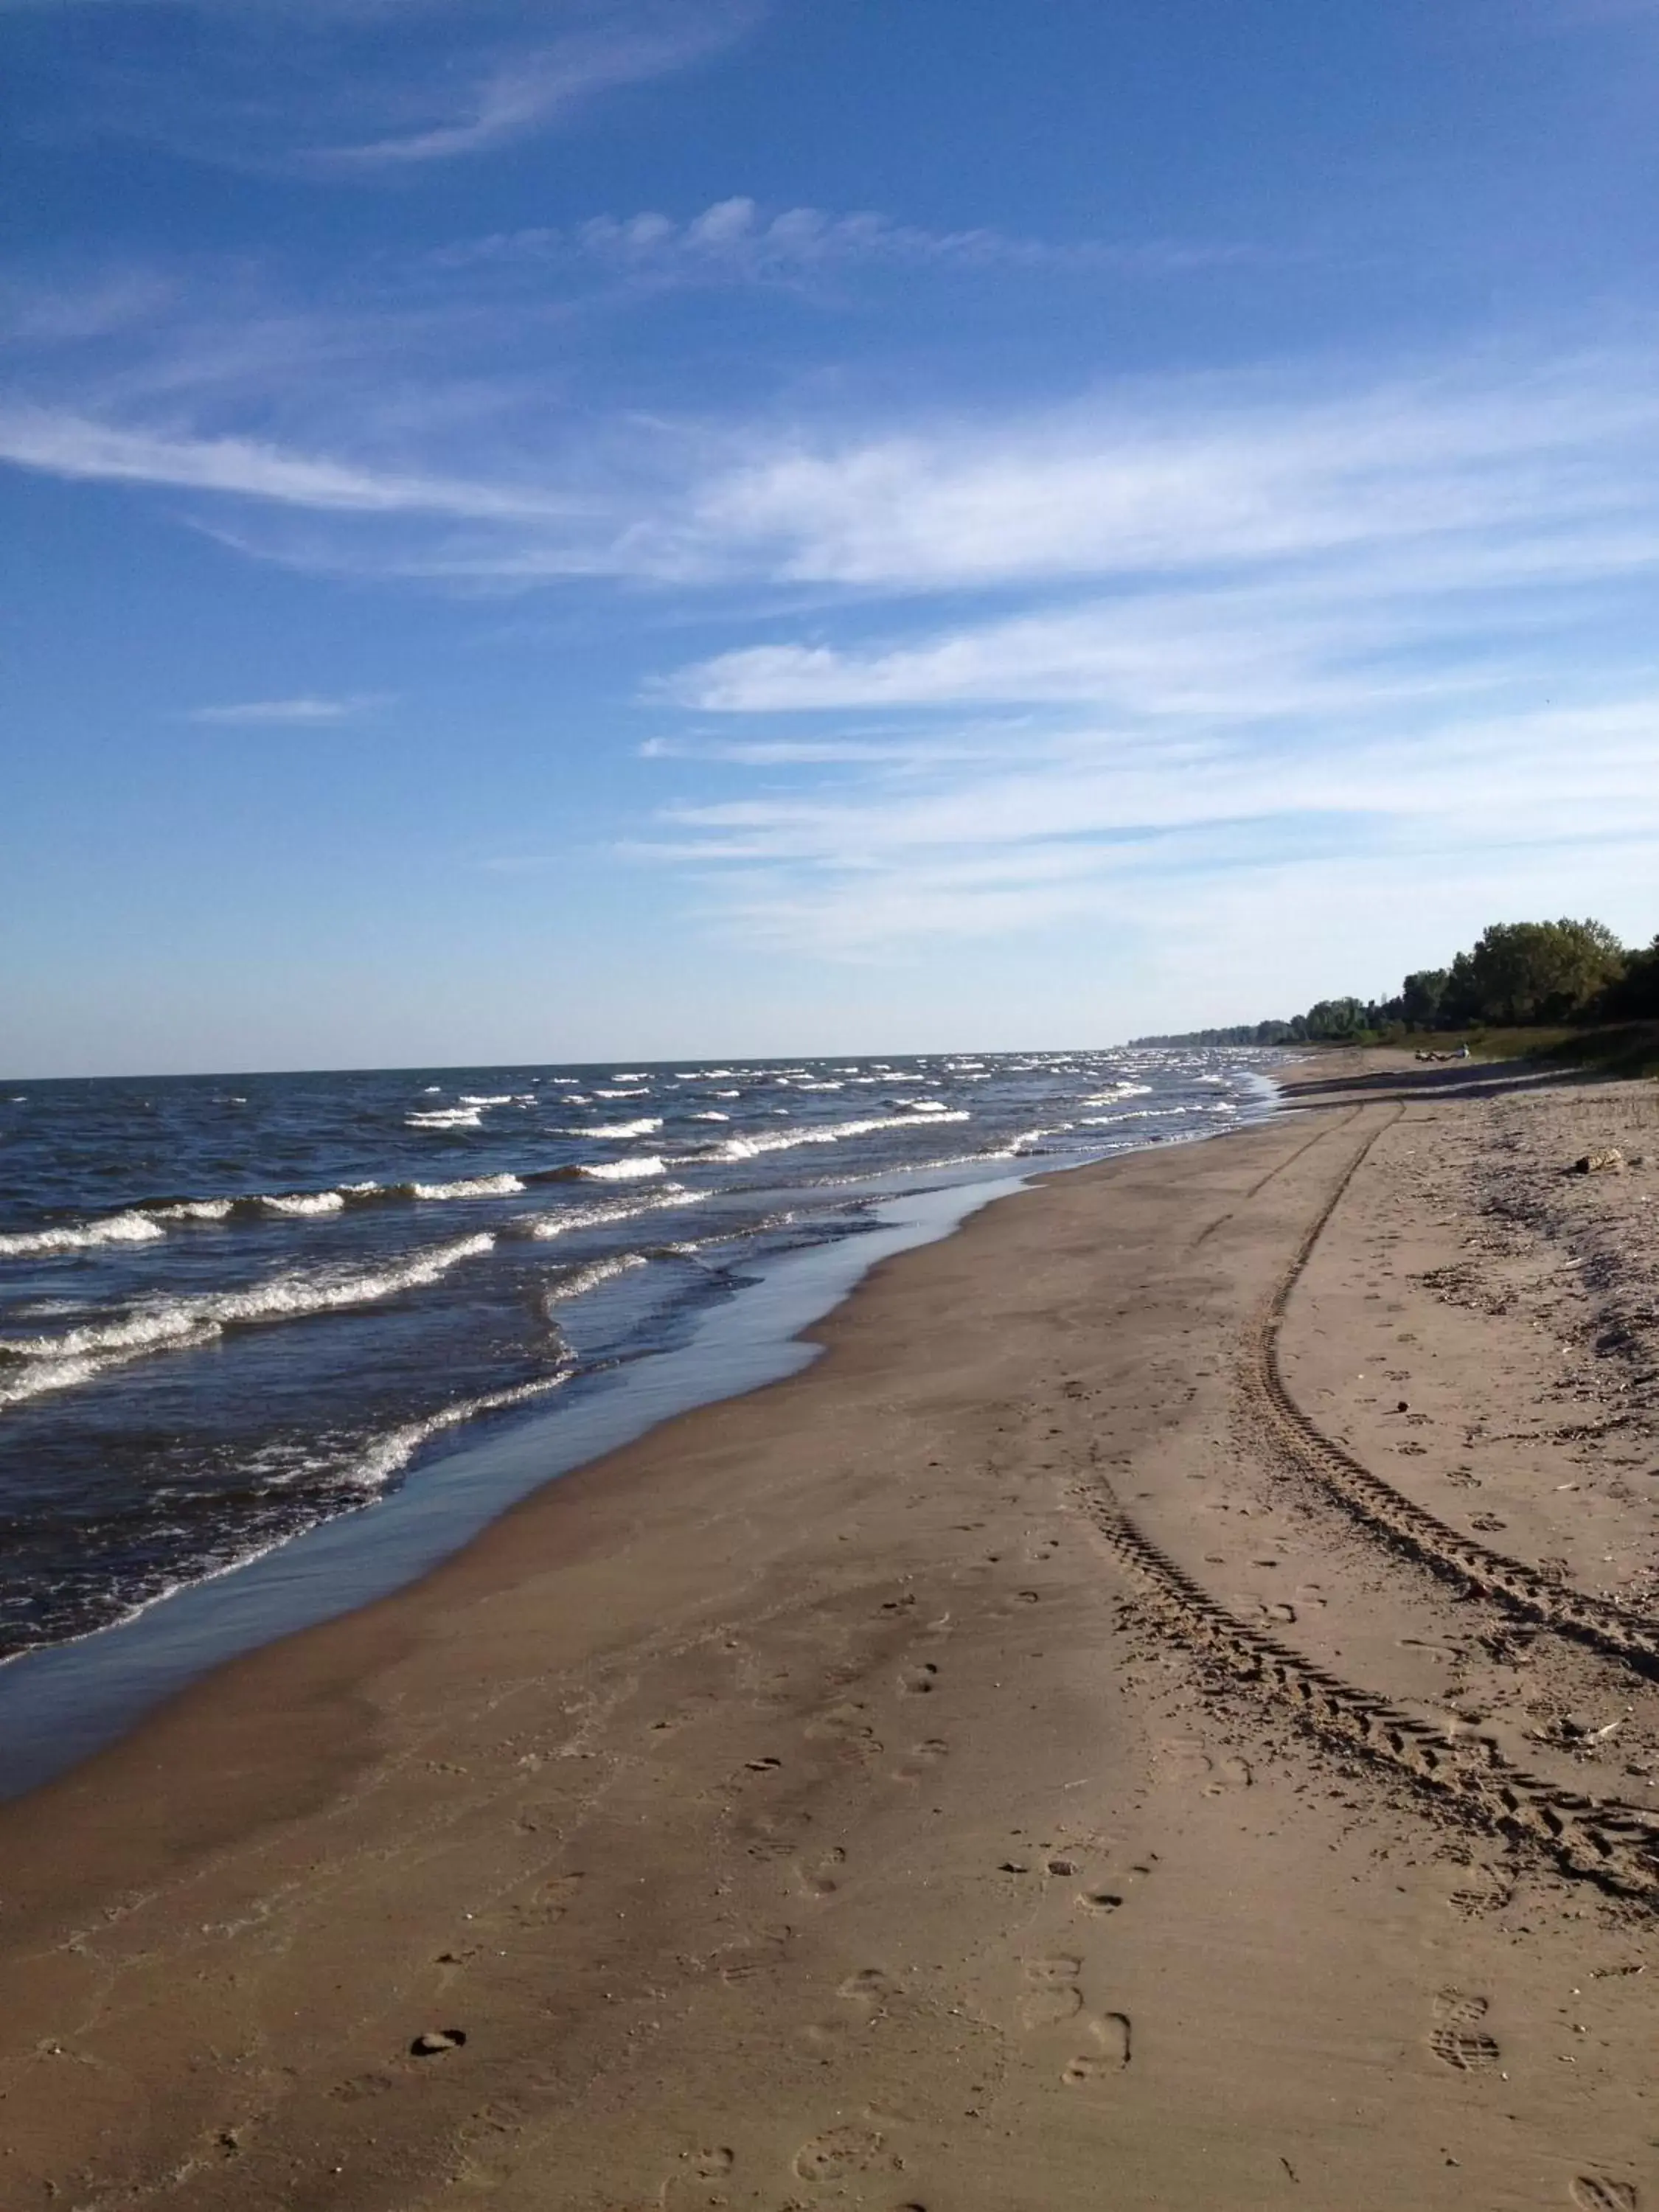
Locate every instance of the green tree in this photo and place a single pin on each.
(1635, 996)
(1422, 996)
(1542, 971)
(1333, 1021)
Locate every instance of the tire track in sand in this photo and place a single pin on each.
(1612, 1845)
(1408, 1527)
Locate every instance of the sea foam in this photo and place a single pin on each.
(832, 1133)
(76, 1355)
(113, 1229)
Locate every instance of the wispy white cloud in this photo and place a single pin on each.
(304, 711)
(77, 446)
(1193, 473)
(1492, 476)
(532, 90)
(1403, 630)
(334, 88)
(735, 240)
(1231, 628)
(1102, 826)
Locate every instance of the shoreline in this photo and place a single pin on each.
(62, 1703)
(65, 1702)
(813, 1803)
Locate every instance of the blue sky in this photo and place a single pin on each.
(582, 528)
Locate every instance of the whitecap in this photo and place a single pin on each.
(446, 1117)
(588, 1277)
(495, 1186)
(194, 1209)
(303, 1202)
(113, 1229)
(1028, 1140)
(545, 1226)
(392, 1452)
(623, 1170)
(179, 1324)
(834, 1133)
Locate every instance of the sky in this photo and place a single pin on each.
(547, 530)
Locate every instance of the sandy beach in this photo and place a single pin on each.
(1163, 1713)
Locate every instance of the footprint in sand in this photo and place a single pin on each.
(1594, 2192)
(1100, 1900)
(839, 2153)
(922, 1755)
(920, 1681)
(1108, 2054)
(1061, 1967)
(1453, 2038)
(751, 1962)
(1186, 1758)
(822, 1877)
(872, 1985)
(1229, 1774)
(1483, 1893)
(709, 2165)
(845, 1724)
(550, 1902)
(361, 2086)
(706, 2167)
(1053, 1994)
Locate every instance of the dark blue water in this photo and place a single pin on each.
(232, 1309)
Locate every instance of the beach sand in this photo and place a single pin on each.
(1078, 1744)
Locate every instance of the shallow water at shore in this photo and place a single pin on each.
(232, 1310)
(60, 1703)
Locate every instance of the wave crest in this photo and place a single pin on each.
(114, 1229)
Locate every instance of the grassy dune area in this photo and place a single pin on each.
(1616, 1048)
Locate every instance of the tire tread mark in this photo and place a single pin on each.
(1524, 1591)
(1612, 1845)
(1256, 1188)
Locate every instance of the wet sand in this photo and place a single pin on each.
(1163, 1713)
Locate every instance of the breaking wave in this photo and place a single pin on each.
(579, 1280)
(493, 1186)
(304, 1202)
(621, 1171)
(114, 1229)
(544, 1226)
(832, 1133)
(76, 1355)
(390, 1454)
